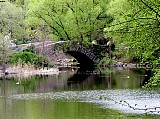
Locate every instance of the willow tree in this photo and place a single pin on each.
(70, 18)
(136, 25)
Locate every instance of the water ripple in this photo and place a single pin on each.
(129, 101)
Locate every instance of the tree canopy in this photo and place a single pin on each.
(137, 25)
(70, 18)
(11, 21)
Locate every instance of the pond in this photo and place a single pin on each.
(73, 94)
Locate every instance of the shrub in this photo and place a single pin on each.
(26, 57)
(154, 81)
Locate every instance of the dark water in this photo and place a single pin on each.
(112, 94)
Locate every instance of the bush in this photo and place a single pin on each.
(28, 57)
(154, 81)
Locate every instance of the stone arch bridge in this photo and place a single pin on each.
(86, 55)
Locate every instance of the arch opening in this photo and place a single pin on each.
(84, 61)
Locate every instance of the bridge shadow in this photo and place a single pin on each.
(89, 79)
(84, 77)
(117, 79)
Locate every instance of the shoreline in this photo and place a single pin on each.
(31, 71)
(14, 71)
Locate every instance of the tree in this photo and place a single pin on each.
(137, 25)
(5, 46)
(11, 26)
(11, 20)
(70, 18)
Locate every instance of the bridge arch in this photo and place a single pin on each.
(84, 61)
(84, 55)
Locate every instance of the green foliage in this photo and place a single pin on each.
(105, 61)
(70, 18)
(28, 57)
(136, 25)
(154, 81)
(11, 27)
(5, 49)
(12, 17)
(103, 65)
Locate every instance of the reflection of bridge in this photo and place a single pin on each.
(86, 55)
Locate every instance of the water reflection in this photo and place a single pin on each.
(131, 101)
(115, 79)
(66, 95)
(109, 79)
(54, 109)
